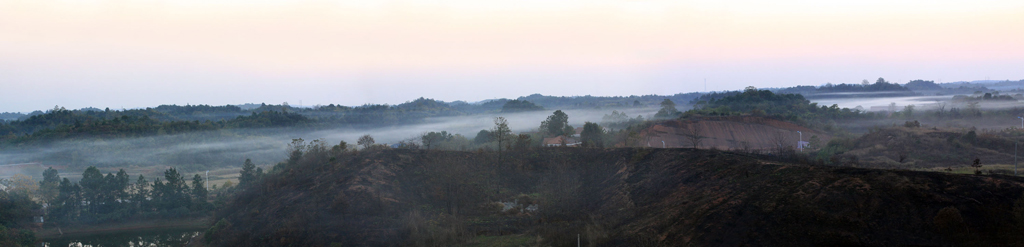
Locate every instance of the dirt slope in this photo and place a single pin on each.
(731, 133)
(926, 148)
(615, 197)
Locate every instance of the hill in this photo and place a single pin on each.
(730, 133)
(911, 147)
(611, 197)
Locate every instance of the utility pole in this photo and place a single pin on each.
(207, 180)
(1015, 158)
(801, 147)
(1021, 122)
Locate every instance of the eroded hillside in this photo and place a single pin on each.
(612, 197)
(730, 133)
(912, 147)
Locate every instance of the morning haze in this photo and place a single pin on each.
(511, 123)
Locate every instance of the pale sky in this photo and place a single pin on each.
(146, 53)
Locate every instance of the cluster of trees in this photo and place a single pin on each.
(16, 209)
(557, 125)
(519, 106)
(168, 119)
(791, 107)
(985, 97)
(61, 123)
(668, 110)
(619, 120)
(587, 101)
(880, 85)
(921, 85)
(98, 198)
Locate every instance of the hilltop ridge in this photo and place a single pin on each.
(613, 197)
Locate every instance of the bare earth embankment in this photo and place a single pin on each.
(615, 197)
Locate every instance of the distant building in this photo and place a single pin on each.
(802, 144)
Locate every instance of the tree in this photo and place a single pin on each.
(366, 141)
(119, 186)
(522, 142)
(140, 192)
(668, 109)
(592, 135)
(49, 188)
(977, 166)
(780, 141)
(296, 150)
(973, 108)
(433, 138)
(199, 193)
(248, 174)
(340, 148)
(519, 106)
(694, 132)
(175, 192)
(949, 221)
(482, 137)
(908, 111)
(91, 182)
(555, 124)
(501, 133)
(23, 185)
(815, 142)
(68, 205)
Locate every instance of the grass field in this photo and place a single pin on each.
(1006, 169)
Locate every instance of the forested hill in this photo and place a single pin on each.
(588, 101)
(61, 123)
(789, 107)
(881, 88)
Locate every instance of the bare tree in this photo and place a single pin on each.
(977, 166)
(501, 132)
(901, 146)
(941, 109)
(779, 141)
(694, 132)
(366, 141)
(973, 108)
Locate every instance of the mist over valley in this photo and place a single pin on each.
(511, 123)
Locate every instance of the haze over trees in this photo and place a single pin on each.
(519, 106)
(441, 188)
(557, 125)
(592, 135)
(668, 110)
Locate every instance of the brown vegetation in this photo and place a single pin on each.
(615, 197)
(728, 133)
(902, 147)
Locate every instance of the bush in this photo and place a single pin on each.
(950, 223)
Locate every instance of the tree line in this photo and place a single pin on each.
(98, 198)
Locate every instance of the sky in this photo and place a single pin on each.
(128, 54)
